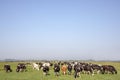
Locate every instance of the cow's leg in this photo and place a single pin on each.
(69, 72)
(63, 72)
(10, 70)
(17, 70)
(79, 74)
(115, 71)
(75, 75)
(57, 73)
(98, 71)
(92, 72)
(44, 73)
(6, 70)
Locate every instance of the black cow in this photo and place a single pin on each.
(108, 68)
(7, 68)
(96, 68)
(77, 68)
(45, 70)
(56, 69)
(87, 68)
(21, 67)
(69, 69)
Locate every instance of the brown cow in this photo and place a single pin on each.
(64, 69)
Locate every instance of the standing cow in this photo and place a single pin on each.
(77, 68)
(7, 68)
(64, 69)
(35, 66)
(56, 69)
(21, 67)
(69, 69)
(45, 70)
(108, 68)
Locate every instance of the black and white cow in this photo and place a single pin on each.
(56, 69)
(87, 68)
(77, 68)
(7, 68)
(108, 69)
(45, 70)
(96, 68)
(21, 67)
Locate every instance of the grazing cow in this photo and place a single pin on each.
(7, 68)
(77, 68)
(35, 66)
(69, 69)
(45, 70)
(96, 68)
(21, 67)
(56, 69)
(108, 68)
(87, 68)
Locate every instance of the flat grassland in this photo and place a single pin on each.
(38, 75)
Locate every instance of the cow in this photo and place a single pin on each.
(96, 68)
(45, 70)
(64, 69)
(7, 68)
(43, 64)
(69, 69)
(21, 67)
(77, 68)
(108, 68)
(87, 68)
(56, 69)
(46, 64)
(35, 66)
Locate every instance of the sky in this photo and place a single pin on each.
(60, 29)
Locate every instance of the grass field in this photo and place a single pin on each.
(38, 75)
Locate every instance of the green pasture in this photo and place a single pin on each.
(38, 75)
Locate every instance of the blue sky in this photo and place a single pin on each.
(60, 29)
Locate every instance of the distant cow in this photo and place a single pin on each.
(69, 69)
(64, 69)
(96, 68)
(35, 66)
(56, 69)
(77, 68)
(46, 64)
(87, 68)
(21, 67)
(7, 68)
(108, 68)
(45, 70)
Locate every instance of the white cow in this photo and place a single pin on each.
(46, 64)
(35, 66)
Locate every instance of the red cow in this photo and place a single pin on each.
(64, 69)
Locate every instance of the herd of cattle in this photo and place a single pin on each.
(69, 68)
